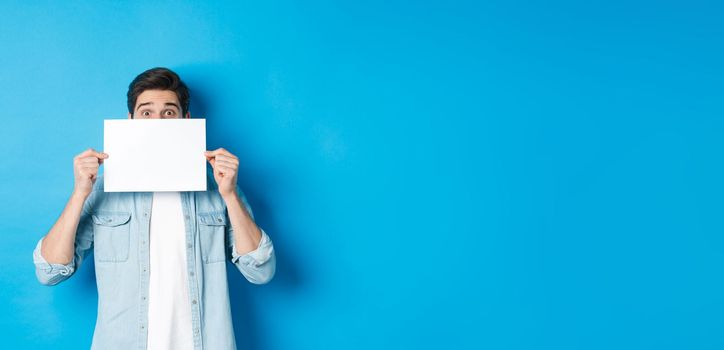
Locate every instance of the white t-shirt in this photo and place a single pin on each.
(169, 308)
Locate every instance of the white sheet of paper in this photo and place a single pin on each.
(154, 155)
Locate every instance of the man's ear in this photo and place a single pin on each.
(130, 116)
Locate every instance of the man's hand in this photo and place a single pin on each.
(225, 167)
(247, 236)
(85, 170)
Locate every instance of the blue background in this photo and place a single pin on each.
(468, 175)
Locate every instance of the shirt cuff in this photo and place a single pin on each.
(51, 268)
(256, 257)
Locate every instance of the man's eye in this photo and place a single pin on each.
(169, 112)
(146, 113)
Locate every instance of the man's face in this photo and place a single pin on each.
(157, 104)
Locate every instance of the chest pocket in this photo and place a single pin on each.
(212, 230)
(111, 232)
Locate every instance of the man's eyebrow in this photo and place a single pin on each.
(143, 104)
(172, 104)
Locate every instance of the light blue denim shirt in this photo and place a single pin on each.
(115, 226)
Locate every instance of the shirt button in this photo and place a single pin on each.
(194, 302)
(188, 245)
(219, 220)
(191, 273)
(187, 217)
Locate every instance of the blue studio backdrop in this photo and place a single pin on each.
(434, 174)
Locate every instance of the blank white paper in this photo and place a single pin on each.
(154, 155)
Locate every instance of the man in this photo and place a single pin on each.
(159, 257)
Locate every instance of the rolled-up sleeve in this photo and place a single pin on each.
(47, 273)
(50, 274)
(257, 266)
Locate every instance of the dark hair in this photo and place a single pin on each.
(158, 78)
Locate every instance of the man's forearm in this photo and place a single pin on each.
(246, 234)
(58, 245)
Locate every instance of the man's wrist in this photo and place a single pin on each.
(78, 195)
(229, 196)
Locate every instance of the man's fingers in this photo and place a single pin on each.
(88, 160)
(86, 153)
(222, 161)
(227, 159)
(99, 161)
(225, 169)
(92, 153)
(225, 163)
(218, 151)
(88, 172)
